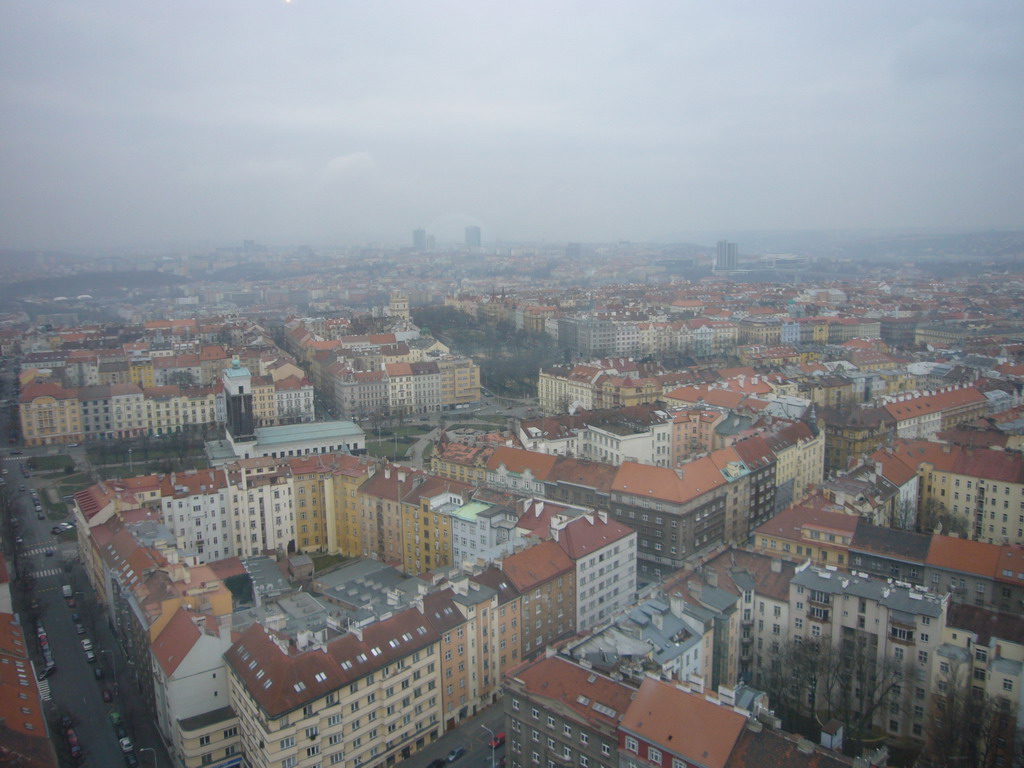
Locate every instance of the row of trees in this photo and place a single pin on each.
(811, 682)
(510, 358)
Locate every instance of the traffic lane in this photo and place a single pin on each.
(74, 688)
(469, 735)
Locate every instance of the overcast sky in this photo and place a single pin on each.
(142, 124)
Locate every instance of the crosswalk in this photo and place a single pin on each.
(47, 572)
(38, 550)
(44, 690)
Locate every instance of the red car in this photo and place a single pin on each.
(107, 695)
(497, 741)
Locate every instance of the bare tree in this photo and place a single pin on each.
(905, 514)
(858, 686)
(967, 727)
(934, 515)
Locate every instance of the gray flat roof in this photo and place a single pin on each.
(298, 433)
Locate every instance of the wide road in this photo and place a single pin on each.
(471, 736)
(73, 689)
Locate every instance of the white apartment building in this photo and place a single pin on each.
(604, 552)
(190, 679)
(260, 505)
(480, 529)
(195, 509)
(651, 444)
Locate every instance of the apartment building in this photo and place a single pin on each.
(604, 553)
(922, 416)
(479, 529)
(49, 414)
(545, 577)
(344, 503)
(989, 576)
(983, 650)
(982, 487)
(189, 680)
(369, 697)
(413, 387)
(799, 450)
(675, 512)
(461, 461)
(558, 712)
(261, 505)
(427, 513)
(815, 530)
(509, 620)
(194, 506)
(883, 631)
(519, 472)
(460, 380)
(637, 433)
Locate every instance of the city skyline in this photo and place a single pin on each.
(292, 122)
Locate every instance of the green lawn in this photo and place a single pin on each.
(325, 561)
(50, 462)
(386, 450)
(71, 484)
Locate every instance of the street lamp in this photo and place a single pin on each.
(113, 665)
(150, 749)
(493, 737)
(130, 467)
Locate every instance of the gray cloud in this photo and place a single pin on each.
(330, 122)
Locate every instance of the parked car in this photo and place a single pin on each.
(456, 753)
(79, 629)
(497, 741)
(90, 656)
(131, 760)
(126, 744)
(98, 672)
(107, 695)
(439, 763)
(115, 718)
(55, 530)
(119, 732)
(65, 721)
(86, 644)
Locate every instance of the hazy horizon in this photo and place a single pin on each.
(311, 122)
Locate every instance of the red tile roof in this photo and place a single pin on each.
(677, 486)
(536, 565)
(664, 715)
(590, 533)
(592, 696)
(175, 641)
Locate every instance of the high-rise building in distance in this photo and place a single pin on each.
(472, 237)
(726, 259)
(419, 239)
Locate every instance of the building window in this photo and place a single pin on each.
(654, 755)
(632, 745)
